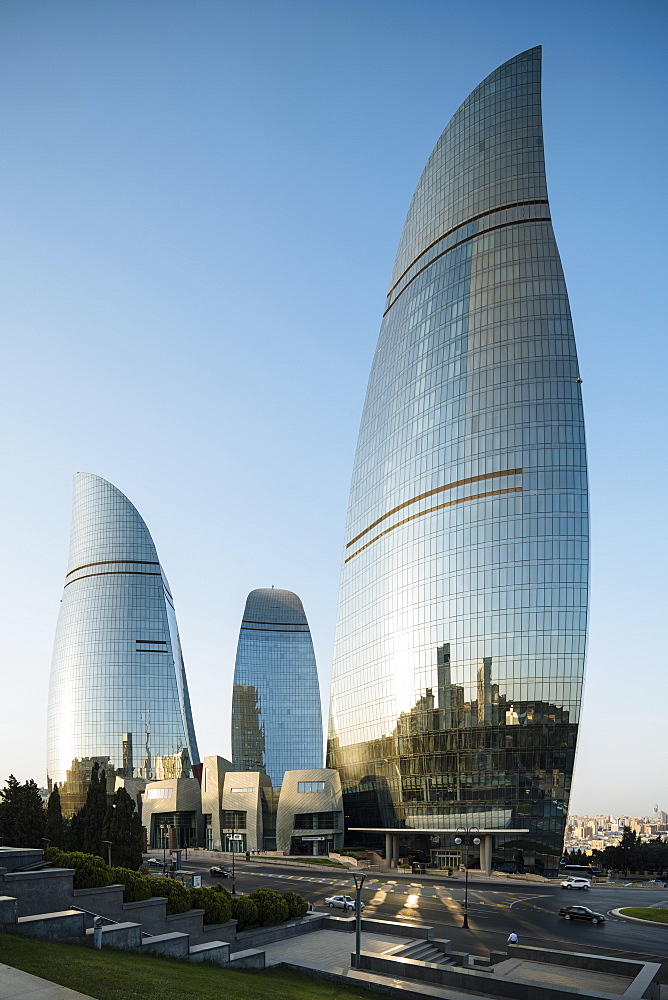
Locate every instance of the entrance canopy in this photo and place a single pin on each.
(440, 829)
(392, 835)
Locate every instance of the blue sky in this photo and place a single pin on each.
(201, 205)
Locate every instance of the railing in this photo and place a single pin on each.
(109, 920)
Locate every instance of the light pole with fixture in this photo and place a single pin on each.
(232, 839)
(467, 839)
(359, 882)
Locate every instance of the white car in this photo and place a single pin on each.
(345, 903)
(576, 883)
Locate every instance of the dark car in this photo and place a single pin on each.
(581, 913)
(219, 872)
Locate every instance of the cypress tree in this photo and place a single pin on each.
(9, 809)
(30, 819)
(54, 829)
(94, 809)
(122, 826)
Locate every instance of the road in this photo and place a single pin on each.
(529, 908)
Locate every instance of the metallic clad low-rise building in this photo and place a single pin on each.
(309, 820)
(276, 713)
(172, 813)
(118, 692)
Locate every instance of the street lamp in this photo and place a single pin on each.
(232, 842)
(359, 882)
(163, 830)
(467, 838)
(108, 843)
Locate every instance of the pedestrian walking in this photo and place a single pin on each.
(512, 938)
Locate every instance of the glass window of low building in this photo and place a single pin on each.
(311, 786)
(317, 821)
(234, 819)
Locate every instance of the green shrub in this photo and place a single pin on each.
(244, 911)
(177, 895)
(90, 871)
(297, 905)
(137, 886)
(216, 905)
(271, 907)
(53, 854)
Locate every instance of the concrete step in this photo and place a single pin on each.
(426, 951)
(63, 925)
(419, 951)
(173, 945)
(217, 952)
(252, 958)
(126, 936)
(9, 912)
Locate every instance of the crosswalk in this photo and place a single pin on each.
(412, 891)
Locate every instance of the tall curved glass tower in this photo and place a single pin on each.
(118, 691)
(276, 714)
(461, 627)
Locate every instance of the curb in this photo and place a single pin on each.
(637, 920)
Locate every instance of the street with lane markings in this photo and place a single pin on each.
(530, 909)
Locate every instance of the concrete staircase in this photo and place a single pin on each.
(43, 904)
(436, 951)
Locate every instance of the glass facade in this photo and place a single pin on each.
(461, 627)
(276, 714)
(118, 691)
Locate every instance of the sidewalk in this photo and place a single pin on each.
(15, 984)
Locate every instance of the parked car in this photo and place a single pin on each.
(345, 903)
(155, 863)
(219, 872)
(576, 883)
(581, 913)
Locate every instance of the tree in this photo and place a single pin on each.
(54, 829)
(29, 824)
(21, 814)
(122, 826)
(87, 823)
(9, 808)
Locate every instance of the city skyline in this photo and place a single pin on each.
(201, 214)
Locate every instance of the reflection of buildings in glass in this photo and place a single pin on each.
(118, 688)
(74, 788)
(276, 714)
(247, 732)
(464, 585)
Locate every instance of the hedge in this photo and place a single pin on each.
(297, 905)
(177, 895)
(136, 885)
(244, 911)
(217, 905)
(271, 907)
(90, 871)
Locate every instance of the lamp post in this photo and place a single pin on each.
(108, 843)
(163, 830)
(232, 840)
(359, 882)
(467, 839)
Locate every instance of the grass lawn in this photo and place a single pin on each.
(119, 975)
(657, 913)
